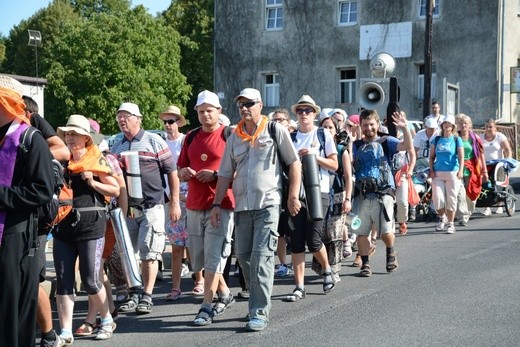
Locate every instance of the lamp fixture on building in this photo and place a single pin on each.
(35, 40)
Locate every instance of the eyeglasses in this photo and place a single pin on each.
(281, 119)
(247, 104)
(304, 110)
(170, 121)
(124, 115)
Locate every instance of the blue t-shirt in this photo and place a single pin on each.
(446, 158)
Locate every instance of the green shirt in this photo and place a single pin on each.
(468, 153)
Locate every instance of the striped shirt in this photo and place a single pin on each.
(155, 160)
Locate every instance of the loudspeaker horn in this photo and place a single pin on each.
(371, 95)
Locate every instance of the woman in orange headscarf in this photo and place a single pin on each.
(82, 233)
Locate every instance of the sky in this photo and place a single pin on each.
(12, 12)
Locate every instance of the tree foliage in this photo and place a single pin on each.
(194, 20)
(97, 54)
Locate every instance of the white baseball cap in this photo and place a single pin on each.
(131, 108)
(431, 123)
(207, 97)
(250, 94)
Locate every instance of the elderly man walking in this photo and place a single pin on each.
(250, 164)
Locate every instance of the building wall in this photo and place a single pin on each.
(311, 47)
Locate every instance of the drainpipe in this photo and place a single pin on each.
(501, 20)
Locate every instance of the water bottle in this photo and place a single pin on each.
(353, 221)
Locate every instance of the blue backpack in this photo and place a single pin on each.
(371, 168)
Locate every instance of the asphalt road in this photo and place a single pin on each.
(450, 290)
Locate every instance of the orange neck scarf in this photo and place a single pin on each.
(240, 130)
(93, 161)
(12, 104)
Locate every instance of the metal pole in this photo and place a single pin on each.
(428, 59)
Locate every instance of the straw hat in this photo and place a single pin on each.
(306, 100)
(174, 110)
(78, 124)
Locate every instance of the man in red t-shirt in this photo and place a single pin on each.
(209, 247)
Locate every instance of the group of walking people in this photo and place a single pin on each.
(215, 189)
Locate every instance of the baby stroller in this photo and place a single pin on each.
(498, 192)
(423, 187)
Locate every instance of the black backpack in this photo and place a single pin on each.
(48, 213)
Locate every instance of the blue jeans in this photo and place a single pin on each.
(256, 238)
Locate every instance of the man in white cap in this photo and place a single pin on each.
(209, 246)
(25, 183)
(147, 221)
(250, 164)
(421, 141)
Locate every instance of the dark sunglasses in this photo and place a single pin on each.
(170, 121)
(247, 104)
(304, 110)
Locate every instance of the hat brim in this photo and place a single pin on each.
(316, 108)
(62, 130)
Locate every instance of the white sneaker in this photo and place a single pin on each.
(499, 210)
(450, 229)
(440, 223)
(487, 211)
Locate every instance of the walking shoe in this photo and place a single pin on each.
(440, 223)
(463, 223)
(65, 341)
(347, 249)
(499, 210)
(450, 229)
(283, 270)
(244, 294)
(52, 342)
(487, 211)
(222, 304)
(256, 324)
(184, 270)
(412, 214)
(106, 331)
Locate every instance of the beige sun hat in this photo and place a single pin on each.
(78, 124)
(174, 110)
(306, 100)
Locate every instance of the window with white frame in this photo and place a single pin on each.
(347, 86)
(271, 90)
(420, 81)
(422, 8)
(274, 14)
(347, 12)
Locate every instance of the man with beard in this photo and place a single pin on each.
(375, 187)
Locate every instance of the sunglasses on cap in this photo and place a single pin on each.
(247, 104)
(170, 121)
(304, 110)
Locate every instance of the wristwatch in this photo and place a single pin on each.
(215, 174)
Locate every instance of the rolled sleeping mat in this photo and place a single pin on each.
(125, 248)
(311, 183)
(133, 177)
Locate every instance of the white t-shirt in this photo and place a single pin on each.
(175, 147)
(493, 148)
(422, 143)
(310, 140)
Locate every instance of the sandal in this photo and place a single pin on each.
(328, 282)
(366, 271)
(357, 262)
(198, 289)
(85, 329)
(204, 317)
(106, 331)
(144, 306)
(174, 294)
(391, 262)
(296, 295)
(223, 303)
(129, 305)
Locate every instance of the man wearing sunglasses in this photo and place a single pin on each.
(250, 164)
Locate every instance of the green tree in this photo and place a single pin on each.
(100, 62)
(194, 19)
